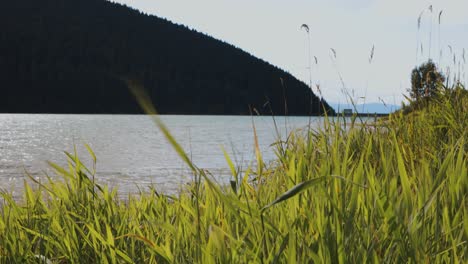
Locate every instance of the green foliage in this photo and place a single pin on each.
(425, 80)
(394, 191)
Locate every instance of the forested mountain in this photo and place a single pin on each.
(73, 56)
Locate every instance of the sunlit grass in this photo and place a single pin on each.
(394, 191)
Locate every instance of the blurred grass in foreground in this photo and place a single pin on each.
(394, 191)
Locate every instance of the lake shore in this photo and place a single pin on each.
(332, 195)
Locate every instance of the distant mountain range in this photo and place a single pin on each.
(369, 108)
(76, 56)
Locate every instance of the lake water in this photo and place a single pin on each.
(131, 151)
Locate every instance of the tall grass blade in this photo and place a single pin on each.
(296, 190)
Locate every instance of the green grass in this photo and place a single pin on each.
(394, 191)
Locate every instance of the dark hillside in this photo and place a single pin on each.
(71, 56)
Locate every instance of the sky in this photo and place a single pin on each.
(271, 30)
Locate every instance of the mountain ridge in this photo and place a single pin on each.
(72, 57)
